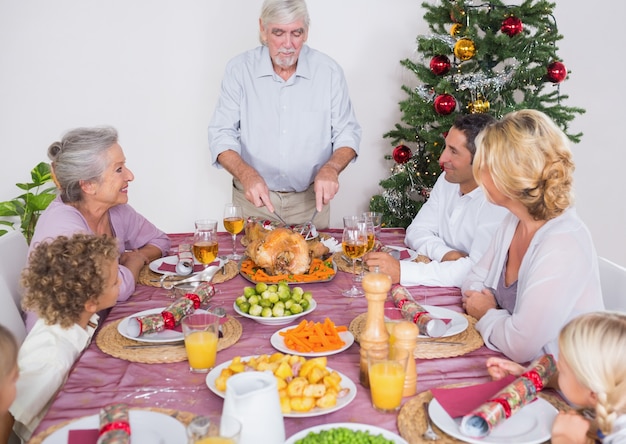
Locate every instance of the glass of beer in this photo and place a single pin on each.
(233, 223)
(205, 246)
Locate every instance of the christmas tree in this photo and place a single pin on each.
(483, 57)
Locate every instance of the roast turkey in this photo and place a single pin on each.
(279, 251)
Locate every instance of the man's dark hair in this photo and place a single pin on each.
(471, 125)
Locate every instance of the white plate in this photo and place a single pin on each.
(348, 425)
(278, 342)
(173, 260)
(346, 383)
(277, 321)
(531, 425)
(146, 428)
(160, 337)
(458, 323)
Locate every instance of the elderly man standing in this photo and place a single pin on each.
(284, 126)
(454, 227)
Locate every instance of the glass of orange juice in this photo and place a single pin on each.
(214, 430)
(201, 331)
(386, 374)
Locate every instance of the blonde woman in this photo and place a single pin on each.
(541, 269)
(592, 374)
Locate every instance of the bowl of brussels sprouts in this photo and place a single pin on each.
(274, 304)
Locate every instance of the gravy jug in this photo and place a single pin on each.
(252, 398)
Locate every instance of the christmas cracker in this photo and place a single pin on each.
(170, 318)
(510, 399)
(414, 312)
(114, 425)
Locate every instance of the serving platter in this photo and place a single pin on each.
(299, 279)
(342, 402)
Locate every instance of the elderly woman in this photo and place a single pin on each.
(90, 171)
(541, 268)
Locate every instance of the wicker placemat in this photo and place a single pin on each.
(111, 342)
(184, 417)
(412, 421)
(469, 339)
(152, 279)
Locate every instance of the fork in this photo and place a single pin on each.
(429, 434)
(308, 227)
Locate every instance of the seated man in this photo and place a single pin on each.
(454, 227)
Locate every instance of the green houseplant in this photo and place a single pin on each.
(29, 205)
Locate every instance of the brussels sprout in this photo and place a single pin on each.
(266, 312)
(249, 291)
(296, 309)
(304, 304)
(254, 299)
(261, 287)
(308, 296)
(255, 310)
(240, 299)
(272, 288)
(297, 290)
(278, 311)
(265, 303)
(289, 303)
(245, 307)
(274, 298)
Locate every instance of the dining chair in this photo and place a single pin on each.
(13, 253)
(613, 282)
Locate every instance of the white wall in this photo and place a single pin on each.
(152, 69)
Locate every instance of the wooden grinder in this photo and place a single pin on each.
(406, 333)
(374, 339)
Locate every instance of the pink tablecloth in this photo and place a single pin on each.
(98, 379)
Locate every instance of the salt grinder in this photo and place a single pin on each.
(375, 339)
(406, 333)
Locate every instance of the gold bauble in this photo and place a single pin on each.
(464, 49)
(456, 29)
(478, 106)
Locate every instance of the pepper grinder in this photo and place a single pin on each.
(375, 339)
(406, 333)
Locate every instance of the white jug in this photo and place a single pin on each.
(252, 398)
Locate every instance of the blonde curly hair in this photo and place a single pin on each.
(593, 345)
(66, 273)
(529, 159)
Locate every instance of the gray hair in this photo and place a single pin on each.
(80, 156)
(283, 12)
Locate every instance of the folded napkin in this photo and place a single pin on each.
(509, 400)
(404, 254)
(412, 311)
(197, 268)
(86, 436)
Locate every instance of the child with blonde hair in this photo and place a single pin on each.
(8, 378)
(67, 281)
(591, 374)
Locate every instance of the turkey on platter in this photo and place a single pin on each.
(280, 251)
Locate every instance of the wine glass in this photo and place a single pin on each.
(354, 244)
(205, 246)
(233, 223)
(371, 240)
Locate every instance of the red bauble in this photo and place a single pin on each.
(444, 104)
(511, 26)
(440, 65)
(402, 154)
(556, 72)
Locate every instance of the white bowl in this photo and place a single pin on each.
(283, 320)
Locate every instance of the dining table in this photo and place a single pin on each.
(99, 379)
